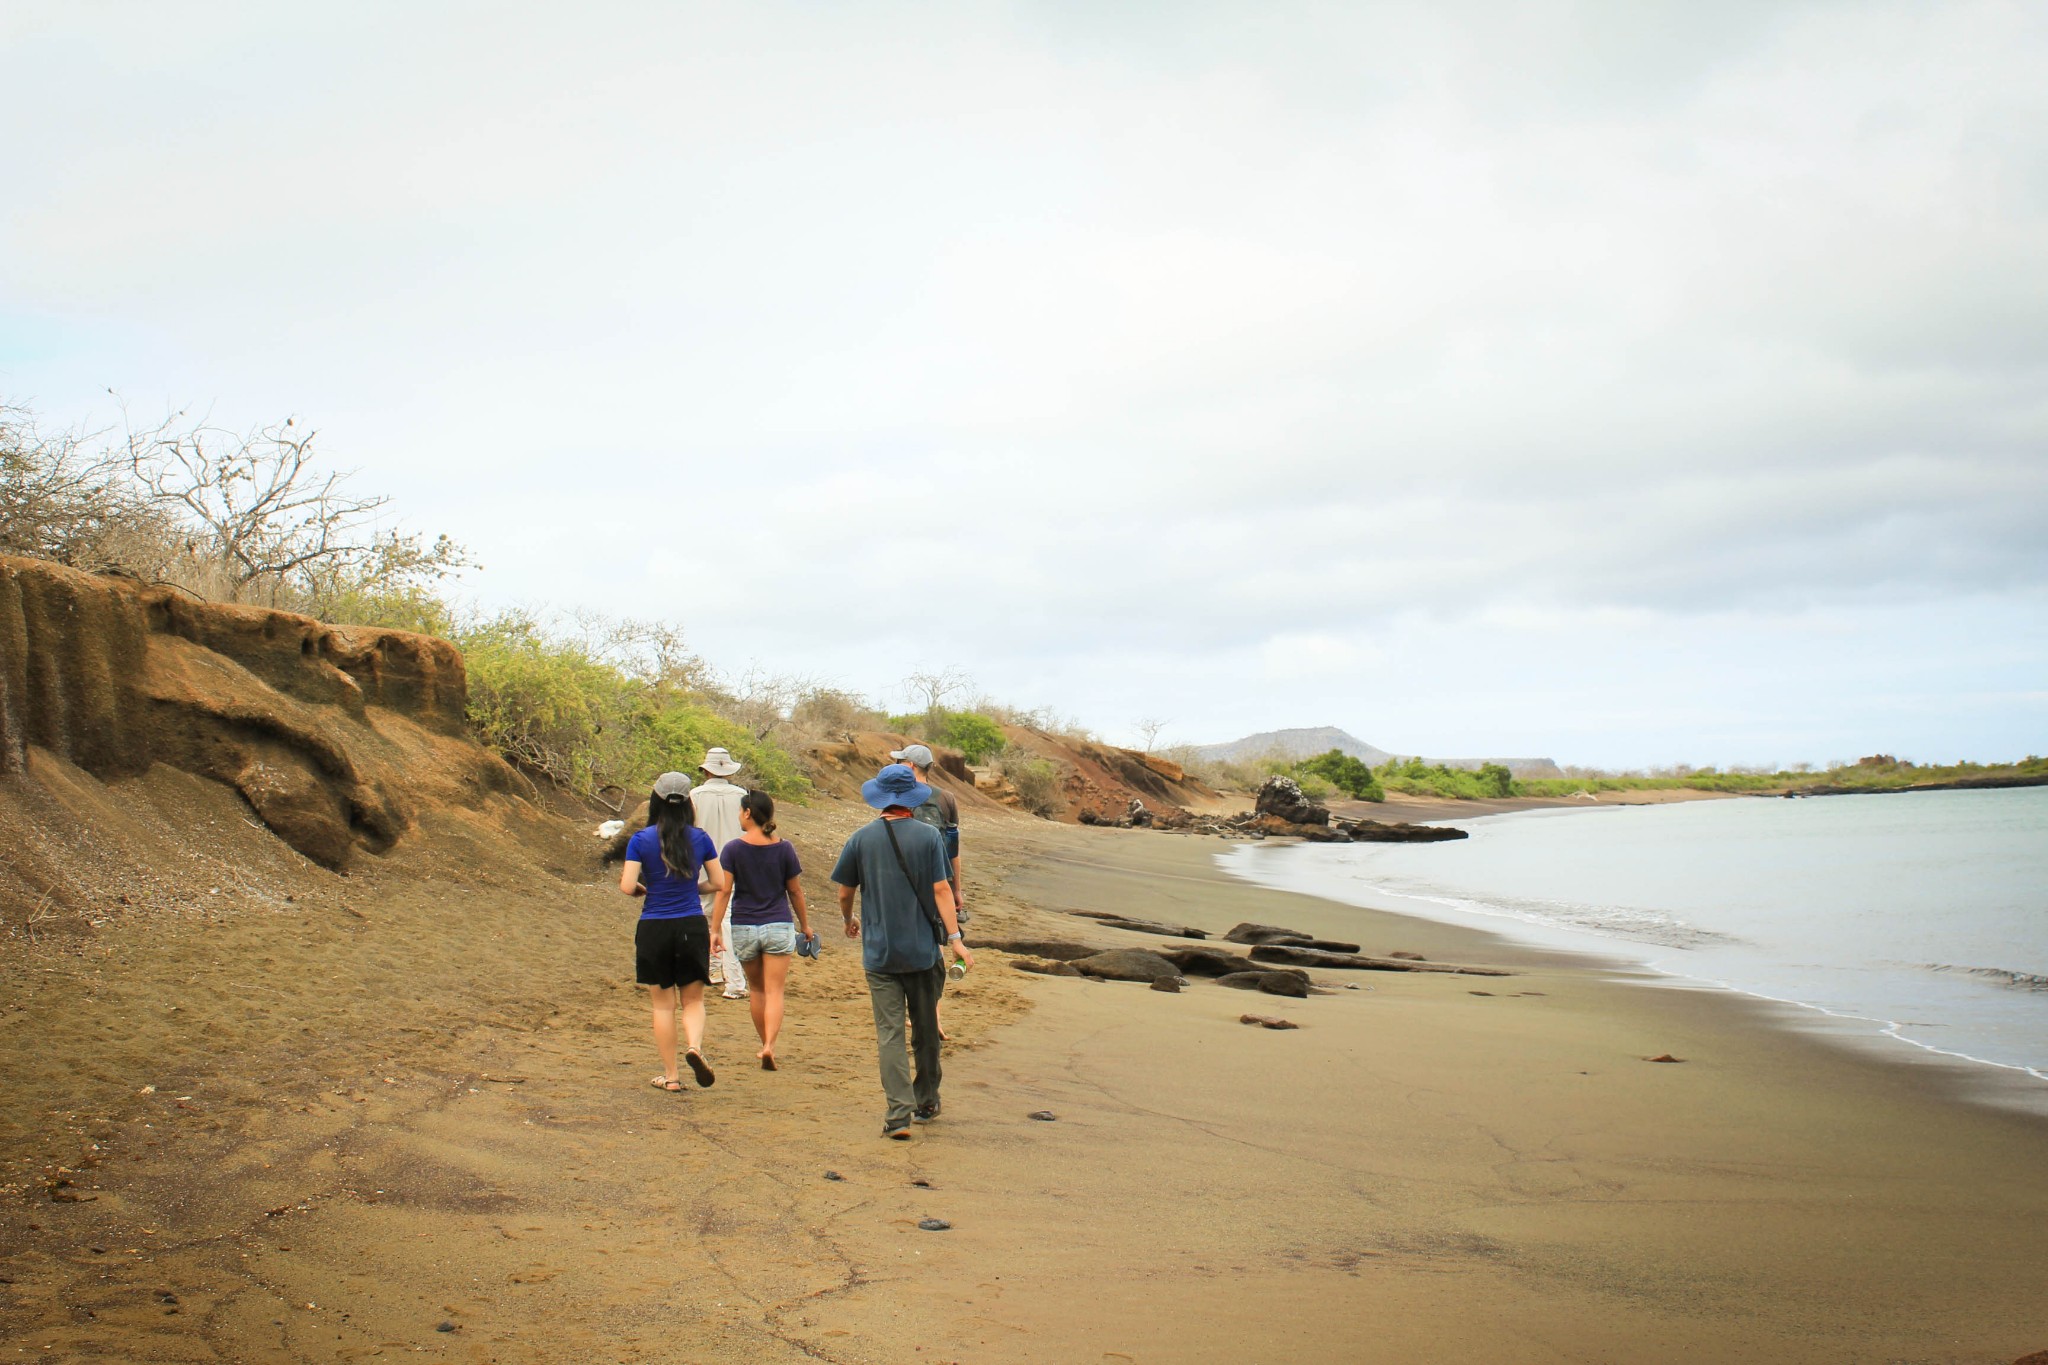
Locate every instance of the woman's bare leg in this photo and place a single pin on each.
(768, 1018)
(757, 1005)
(691, 1012)
(662, 999)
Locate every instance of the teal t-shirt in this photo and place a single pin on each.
(895, 933)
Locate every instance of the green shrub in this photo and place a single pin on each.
(912, 723)
(1037, 782)
(1342, 772)
(549, 703)
(1315, 786)
(976, 736)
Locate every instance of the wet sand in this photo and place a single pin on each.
(417, 1096)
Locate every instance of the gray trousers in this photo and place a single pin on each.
(912, 997)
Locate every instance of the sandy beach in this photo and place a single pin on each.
(406, 1112)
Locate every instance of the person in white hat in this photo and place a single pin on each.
(718, 815)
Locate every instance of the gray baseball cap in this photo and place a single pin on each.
(672, 784)
(913, 753)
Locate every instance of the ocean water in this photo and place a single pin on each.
(1916, 920)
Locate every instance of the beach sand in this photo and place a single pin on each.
(322, 1129)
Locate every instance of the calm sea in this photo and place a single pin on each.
(1921, 918)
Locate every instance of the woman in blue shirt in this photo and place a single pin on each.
(672, 944)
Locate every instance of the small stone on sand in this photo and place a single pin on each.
(1042, 1115)
(933, 1224)
(1663, 1057)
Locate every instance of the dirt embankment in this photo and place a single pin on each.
(337, 737)
(1097, 780)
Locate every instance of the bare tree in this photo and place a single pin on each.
(56, 502)
(272, 519)
(936, 687)
(1150, 728)
(762, 701)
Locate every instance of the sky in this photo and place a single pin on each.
(1625, 383)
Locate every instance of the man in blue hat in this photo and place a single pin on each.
(907, 926)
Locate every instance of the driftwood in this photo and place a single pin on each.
(1141, 926)
(1312, 957)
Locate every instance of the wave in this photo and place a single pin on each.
(1610, 921)
(2019, 981)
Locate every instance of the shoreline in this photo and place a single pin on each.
(1811, 1121)
(2014, 1086)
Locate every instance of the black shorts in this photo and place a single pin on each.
(672, 952)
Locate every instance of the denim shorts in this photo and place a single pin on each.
(749, 941)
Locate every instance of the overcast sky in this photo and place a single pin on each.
(1627, 383)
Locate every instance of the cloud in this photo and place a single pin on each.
(1163, 342)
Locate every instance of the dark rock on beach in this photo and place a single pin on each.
(1142, 926)
(1206, 961)
(1273, 827)
(1126, 964)
(1045, 966)
(1060, 950)
(1293, 938)
(1400, 832)
(1272, 983)
(1169, 984)
(1266, 1021)
(1315, 957)
(1282, 798)
(1265, 933)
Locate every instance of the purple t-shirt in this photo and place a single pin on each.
(760, 881)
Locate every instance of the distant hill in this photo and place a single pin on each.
(1295, 744)
(1322, 738)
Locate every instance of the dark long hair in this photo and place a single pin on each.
(761, 806)
(673, 817)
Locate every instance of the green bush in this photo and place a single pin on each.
(551, 704)
(1315, 786)
(976, 736)
(1341, 772)
(1037, 782)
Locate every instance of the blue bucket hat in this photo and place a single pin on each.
(895, 785)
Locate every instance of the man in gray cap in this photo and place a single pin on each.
(942, 813)
(718, 815)
(906, 928)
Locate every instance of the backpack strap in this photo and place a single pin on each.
(923, 893)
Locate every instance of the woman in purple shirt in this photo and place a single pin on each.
(671, 947)
(761, 887)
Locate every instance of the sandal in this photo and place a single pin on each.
(668, 1083)
(699, 1068)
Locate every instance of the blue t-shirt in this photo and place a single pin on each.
(668, 896)
(760, 881)
(895, 933)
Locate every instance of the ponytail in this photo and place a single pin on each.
(761, 806)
